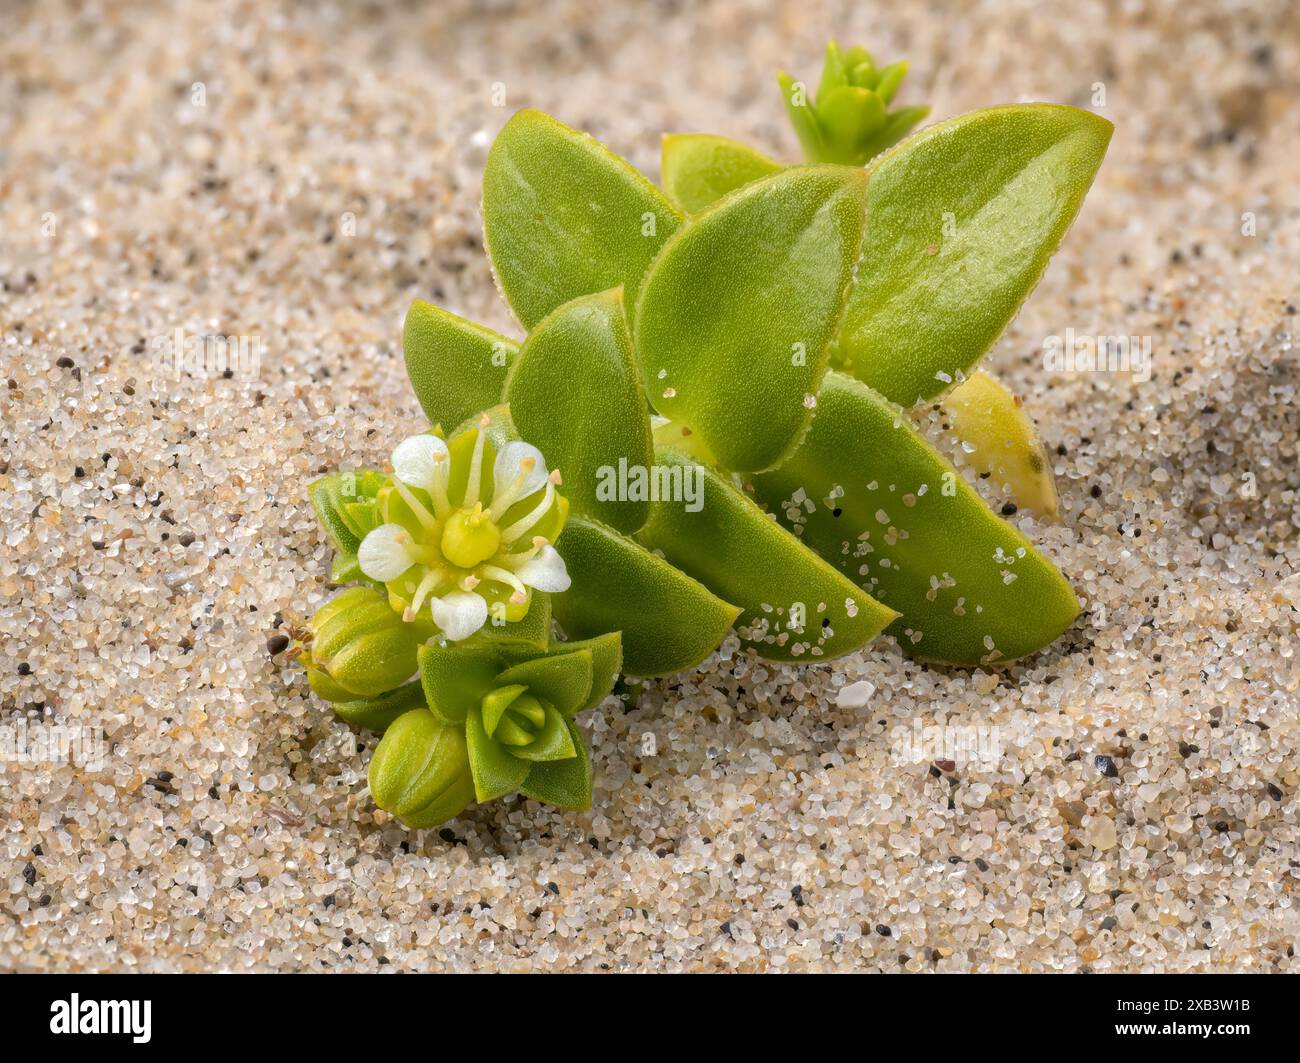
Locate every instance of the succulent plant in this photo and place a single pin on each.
(772, 326)
(728, 371)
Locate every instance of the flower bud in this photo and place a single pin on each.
(360, 647)
(420, 770)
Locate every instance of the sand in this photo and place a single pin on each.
(297, 177)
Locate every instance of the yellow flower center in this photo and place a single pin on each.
(470, 537)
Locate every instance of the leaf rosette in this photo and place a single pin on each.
(498, 719)
(849, 121)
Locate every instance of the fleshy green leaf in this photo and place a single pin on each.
(700, 168)
(456, 676)
(553, 741)
(835, 73)
(796, 606)
(890, 78)
(963, 218)
(669, 621)
(1000, 441)
(420, 770)
(606, 663)
(330, 496)
(563, 783)
(575, 394)
(563, 216)
(564, 679)
(736, 314)
(533, 630)
(457, 368)
(971, 589)
(800, 109)
(376, 714)
(496, 772)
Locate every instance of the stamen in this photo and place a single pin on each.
(522, 525)
(469, 582)
(500, 575)
(513, 561)
(505, 497)
(421, 514)
(422, 592)
(438, 489)
(474, 485)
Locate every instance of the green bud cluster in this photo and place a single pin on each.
(849, 120)
(497, 718)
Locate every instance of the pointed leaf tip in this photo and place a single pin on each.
(563, 216)
(736, 313)
(964, 217)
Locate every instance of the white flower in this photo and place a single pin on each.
(383, 554)
(463, 554)
(545, 572)
(459, 614)
(422, 461)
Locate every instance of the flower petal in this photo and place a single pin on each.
(506, 468)
(416, 461)
(545, 572)
(459, 614)
(383, 554)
